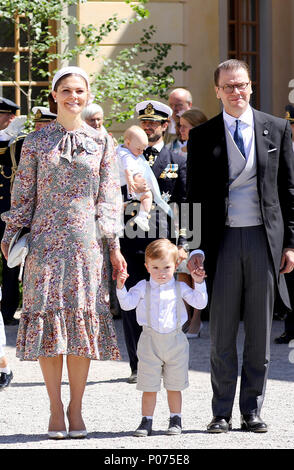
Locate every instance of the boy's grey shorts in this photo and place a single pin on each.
(166, 354)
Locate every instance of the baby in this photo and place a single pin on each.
(132, 174)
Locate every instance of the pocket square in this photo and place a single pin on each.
(271, 150)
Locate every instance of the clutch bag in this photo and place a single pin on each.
(18, 250)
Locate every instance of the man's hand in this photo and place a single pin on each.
(287, 261)
(198, 275)
(195, 262)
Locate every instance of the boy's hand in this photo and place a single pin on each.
(121, 278)
(198, 275)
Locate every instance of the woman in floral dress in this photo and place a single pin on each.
(67, 192)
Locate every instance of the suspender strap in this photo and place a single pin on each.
(178, 304)
(147, 303)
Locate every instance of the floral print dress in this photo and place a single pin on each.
(67, 191)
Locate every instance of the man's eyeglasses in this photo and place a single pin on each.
(230, 88)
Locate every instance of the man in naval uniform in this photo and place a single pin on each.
(170, 171)
(10, 149)
(240, 168)
(288, 334)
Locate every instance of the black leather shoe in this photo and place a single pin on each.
(283, 339)
(10, 321)
(133, 377)
(219, 424)
(145, 428)
(252, 422)
(5, 380)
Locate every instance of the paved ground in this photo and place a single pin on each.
(112, 406)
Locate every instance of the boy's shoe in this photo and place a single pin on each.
(175, 426)
(5, 379)
(142, 222)
(145, 428)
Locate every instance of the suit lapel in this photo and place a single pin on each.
(263, 143)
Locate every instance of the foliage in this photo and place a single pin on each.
(41, 39)
(136, 74)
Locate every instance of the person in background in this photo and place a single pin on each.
(93, 115)
(189, 119)
(6, 374)
(10, 149)
(288, 333)
(179, 100)
(170, 171)
(67, 175)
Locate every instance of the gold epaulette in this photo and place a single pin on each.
(3, 150)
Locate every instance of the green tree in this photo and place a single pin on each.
(41, 39)
(137, 73)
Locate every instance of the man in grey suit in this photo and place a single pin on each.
(240, 168)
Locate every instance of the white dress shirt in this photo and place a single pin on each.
(246, 127)
(163, 302)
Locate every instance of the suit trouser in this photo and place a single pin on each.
(10, 290)
(245, 280)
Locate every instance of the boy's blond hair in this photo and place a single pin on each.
(159, 248)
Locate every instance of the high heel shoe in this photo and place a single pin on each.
(195, 335)
(80, 434)
(57, 434)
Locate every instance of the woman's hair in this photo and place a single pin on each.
(52, 104)
(66, 76)
(160, 248)
(91, 110)
(231, 64)
(194, 116)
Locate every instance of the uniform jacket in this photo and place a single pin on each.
(7, 172)
(208, 183)
(172, 183)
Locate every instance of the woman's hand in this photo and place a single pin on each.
(118, 262)
(4, 249)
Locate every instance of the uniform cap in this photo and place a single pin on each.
(153, 111)
(8, 106)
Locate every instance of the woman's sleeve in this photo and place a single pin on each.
(109, 208)
(23, 196)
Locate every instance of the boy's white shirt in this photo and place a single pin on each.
(163, 302)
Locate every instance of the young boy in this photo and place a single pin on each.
(163, 348)
(5, 371)
(136, 173)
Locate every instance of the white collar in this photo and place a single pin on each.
(246, 118)
(159, 146)
(155, 284)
